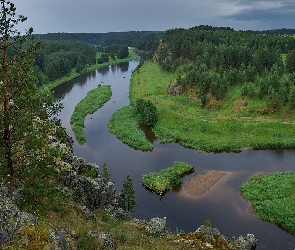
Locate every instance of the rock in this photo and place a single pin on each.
(156, 226)
(247, 243)
(11, 218)
(174, 88)
(64, 238)
(108, 242)
(59, 240)
(87, 212)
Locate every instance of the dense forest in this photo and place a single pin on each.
(60, 53)
(210, 60)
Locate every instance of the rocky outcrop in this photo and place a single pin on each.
(174, 88)
(91, 192)
(210, 238)
(11, 218)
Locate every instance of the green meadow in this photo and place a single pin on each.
(231, 124)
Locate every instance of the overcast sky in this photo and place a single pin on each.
(95, 16)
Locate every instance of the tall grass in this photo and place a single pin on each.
(167, 178)
(273, 197)
(124, 125)
(93, 101)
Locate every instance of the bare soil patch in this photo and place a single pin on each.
(200, 184)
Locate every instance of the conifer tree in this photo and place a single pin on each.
(128, 194)
(24, 108)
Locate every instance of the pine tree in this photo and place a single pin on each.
(128, 194)
(24, 108)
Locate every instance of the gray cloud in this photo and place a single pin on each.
(118, 15)
(272, 14)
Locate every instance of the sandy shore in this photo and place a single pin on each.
(202, 183)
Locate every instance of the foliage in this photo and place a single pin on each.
(24, 108)
(147, 112)
(226, 125)
(57, 59)
(88, 105)
(74, 73)
(104, 57)
(273, 197)
(211, 59)
(124, 125)
(105, 173)
(167, 178)
(128, 194)
(290, 61)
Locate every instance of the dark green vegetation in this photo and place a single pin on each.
(216, 89)
(128, 194)
(142, 40)
(88, 105)
(273, 197)
(209, 61)
(57, 59)
(146, 112)
(24, 108)
(167, 178)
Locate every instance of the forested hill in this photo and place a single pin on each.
(282, 31)
(210, 60)
(143, 40)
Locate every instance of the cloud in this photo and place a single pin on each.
(135, 15)
(272, 12)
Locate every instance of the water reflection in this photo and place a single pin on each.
(123, 67)
(103, 70)
(147, 130)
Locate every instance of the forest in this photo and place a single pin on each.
(209, 60)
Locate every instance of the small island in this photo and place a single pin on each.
(167, 178)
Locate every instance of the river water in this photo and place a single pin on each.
(223, 204)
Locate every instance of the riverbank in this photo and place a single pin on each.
(228, 125)
(273, 198)
(74, 74)
(92, 217)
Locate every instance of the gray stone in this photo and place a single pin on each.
(156, 226)
(247, 243)
(11, 218)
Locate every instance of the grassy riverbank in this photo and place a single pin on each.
(94, 100)
(228, 125)
(124, 118)
(273, 198)
(74, 74)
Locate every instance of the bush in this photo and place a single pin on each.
(147, 112)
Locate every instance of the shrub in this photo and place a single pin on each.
(147, 112)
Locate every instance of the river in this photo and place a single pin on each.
(223, 204)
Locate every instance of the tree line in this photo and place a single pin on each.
(56, 59)
(212, 59)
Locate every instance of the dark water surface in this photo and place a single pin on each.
(223, 205)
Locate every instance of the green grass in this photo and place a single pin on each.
(125, 126)
(273, 197)
(227, 125)
(164, 180)
(93, 101)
